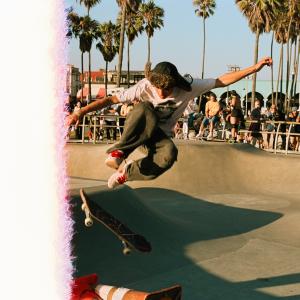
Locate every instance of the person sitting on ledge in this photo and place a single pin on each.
(212, 109)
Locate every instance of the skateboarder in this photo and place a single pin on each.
(163, 95)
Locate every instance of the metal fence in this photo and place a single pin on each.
(95, 128)
(282, 134)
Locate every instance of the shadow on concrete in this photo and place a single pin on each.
(176, 224)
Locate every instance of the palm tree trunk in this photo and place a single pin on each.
(90, 84)
(286, 100)
(81, 76)
(122, 37)
(203, 53)
(255, 62)
(279, 73)
(287, 76)
(293, 53)
(106, 69)
(297, 68)
(128, 64)
(149, 49)
(203, 62)
(272, 69)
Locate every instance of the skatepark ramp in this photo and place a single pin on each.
(223, 222)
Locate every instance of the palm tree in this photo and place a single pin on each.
(272, 69)
(205, 9)
(293, 9)
(279, 27)
(296, 67)
(89, 4)
(277, 15)
(153, 18)
(73, 21)
(260, 14)
(108, 45)
(133, 27)
(85, 29)
(125, 5)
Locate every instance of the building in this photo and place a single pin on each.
(96, 76)
(134, 77)
(98, 82)
(72, 80)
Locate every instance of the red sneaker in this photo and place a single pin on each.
(119, 177)
(115, 159)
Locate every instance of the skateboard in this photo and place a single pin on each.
(130, 240)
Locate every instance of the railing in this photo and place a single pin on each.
(95, 124)
(94, 129)
(276, 133)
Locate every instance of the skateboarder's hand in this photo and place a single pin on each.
(72, 119)
(266, 61)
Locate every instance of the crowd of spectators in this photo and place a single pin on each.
(226, 120)
(109, 121)
(222, 120)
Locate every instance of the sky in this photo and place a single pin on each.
(229, 41)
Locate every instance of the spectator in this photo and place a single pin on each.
(68, 111)
(68, 106)
(235, 116)
(126, 108)
(293, 117)
(197, 121)
(255, 134)
(297, 129)
(272, 115)
(111, 122)
(212, 109)
(178, 130)
(78, 127)
(282, 117)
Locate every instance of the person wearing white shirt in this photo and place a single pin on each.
(163, 96)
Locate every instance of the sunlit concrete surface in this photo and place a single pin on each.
(224, 223)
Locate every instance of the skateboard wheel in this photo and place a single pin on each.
(83, 207)
(88, 222)
(126, 251)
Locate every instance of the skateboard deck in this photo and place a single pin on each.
(130, 240)
(173, 293)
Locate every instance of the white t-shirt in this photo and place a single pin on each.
(170, 109)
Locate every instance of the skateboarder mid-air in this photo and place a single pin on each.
(163, 94)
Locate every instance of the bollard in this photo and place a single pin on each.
(83, 288)
(107, 292)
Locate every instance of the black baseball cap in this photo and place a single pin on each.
(165, 75)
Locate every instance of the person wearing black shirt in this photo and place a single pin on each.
(254, 128)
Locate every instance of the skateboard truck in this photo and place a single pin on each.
(88, 221)
(126, 248)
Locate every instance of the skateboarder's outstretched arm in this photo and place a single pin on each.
(96, 105)
(230, 78)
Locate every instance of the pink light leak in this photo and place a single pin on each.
(64, 259)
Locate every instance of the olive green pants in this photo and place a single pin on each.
(141, 130)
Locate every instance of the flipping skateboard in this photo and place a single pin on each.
(130, 240)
